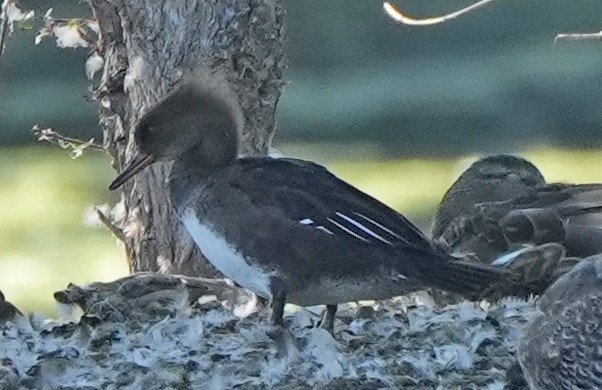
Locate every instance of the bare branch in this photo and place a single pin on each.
(395, 14)
(578, 37)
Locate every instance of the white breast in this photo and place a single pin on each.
(226, 258)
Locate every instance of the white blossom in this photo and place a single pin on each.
(69, 35)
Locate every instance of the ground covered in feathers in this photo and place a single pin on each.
(164, 340)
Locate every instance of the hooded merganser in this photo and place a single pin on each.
(503, 202)
(560, 348)
(284, 228)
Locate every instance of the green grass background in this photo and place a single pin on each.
(44, 244)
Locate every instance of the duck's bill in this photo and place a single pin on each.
(140, 162)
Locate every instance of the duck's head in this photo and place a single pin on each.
(201, 116)
(505, 167)
(494, 178)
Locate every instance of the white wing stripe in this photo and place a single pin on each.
(343, 228)
(378, 225)
(362, 227)
(324, 229)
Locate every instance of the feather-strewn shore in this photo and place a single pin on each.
(165, 338)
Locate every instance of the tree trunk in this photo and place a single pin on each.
(147, 45)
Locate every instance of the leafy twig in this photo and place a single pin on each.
(74, 33)
(395, 14)
(76, 145)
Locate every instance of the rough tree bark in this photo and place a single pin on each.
(147, 45)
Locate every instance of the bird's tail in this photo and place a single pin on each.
(471, 280)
